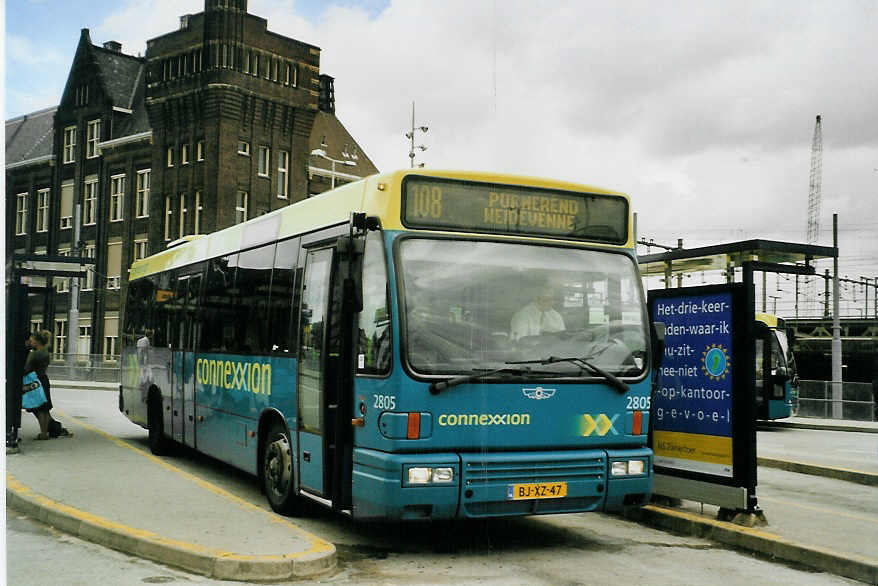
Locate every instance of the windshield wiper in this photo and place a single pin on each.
(584, 364)
(437, 387)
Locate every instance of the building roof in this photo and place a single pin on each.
(29, 137)
(121, 75)
(329, 135)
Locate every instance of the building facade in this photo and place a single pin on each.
(221, 121)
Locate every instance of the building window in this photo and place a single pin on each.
(114, 265)
(60, 335)
(84, 346)
(170, 156)
(89, 284)
(94, 135)
(241, 207)
(264, 161)
(66, 205)
(246, 62)
(292, 77)
(82, 95)
(183, 211)
(117, 197)
(168, 213)
(255, 67)
(199, 150)
(21, 214)
(62, 285)
(283, 165)
(243, 148)
(43, 210)
(111, 338)
(69, 144)
(90, 199)
(198, 209)
(36, 324)
(142, 198)
(184, 154)
(275, 64)
(140, 248)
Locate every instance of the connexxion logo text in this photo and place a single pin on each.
(251, 377)
(483, 419)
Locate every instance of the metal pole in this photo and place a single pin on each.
(73, 315)
(837, 395)
(412, 151)
(826, 293)
(764, 308)
(680, 276)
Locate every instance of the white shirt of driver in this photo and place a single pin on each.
(530, 320)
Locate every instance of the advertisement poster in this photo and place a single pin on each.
(692, 409)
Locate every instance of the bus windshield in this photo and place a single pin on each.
(472, 305)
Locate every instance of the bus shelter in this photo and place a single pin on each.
(28, 276)
(750, 256)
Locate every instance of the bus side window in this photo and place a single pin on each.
(162, 319)
(253, 283)
(283, 311)
(374, 345)
(217, 306)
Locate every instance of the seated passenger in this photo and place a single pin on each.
(537, 317)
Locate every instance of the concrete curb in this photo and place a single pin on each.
(84, 385)
(818, 426)
(213, 563)
(760, 542)
(857, 476)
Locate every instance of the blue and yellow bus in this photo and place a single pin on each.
(415, 345)
(774, 400)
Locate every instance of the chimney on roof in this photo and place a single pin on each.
(326, 99)
(114, 46)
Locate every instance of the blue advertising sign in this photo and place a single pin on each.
(692, 409)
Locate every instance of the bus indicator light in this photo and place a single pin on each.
(637, 428)
(414, 426)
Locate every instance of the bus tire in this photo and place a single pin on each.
(277, 470)
(158, 443)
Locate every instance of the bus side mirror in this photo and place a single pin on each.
(658, 343)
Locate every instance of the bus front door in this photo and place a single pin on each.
(312, 370)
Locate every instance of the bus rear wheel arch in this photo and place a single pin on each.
(276, 470)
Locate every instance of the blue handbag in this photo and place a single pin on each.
(33, 395)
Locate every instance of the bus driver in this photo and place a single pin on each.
(537, 317)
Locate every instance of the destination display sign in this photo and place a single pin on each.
(436, 203)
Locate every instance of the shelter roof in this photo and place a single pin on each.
(720, 256)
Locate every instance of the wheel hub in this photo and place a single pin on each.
(278, 464)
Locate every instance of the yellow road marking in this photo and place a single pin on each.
(317, 544)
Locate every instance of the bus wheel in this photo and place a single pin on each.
(158, 443)
(277, 470)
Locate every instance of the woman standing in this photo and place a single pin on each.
(38, 361)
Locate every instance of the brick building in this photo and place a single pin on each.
(221, 121)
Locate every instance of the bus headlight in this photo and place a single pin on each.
(425, 475)
(627, 467)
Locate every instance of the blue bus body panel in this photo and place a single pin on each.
(231, 393)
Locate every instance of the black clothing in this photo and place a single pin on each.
(38, 362)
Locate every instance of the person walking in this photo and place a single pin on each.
(38, 361)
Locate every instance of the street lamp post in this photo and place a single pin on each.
(411, 135)
(322, 154)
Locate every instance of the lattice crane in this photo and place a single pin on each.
(815, 183)
(815, 197)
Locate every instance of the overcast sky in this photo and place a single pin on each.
(702, 111)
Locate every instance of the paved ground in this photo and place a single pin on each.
(828, 523)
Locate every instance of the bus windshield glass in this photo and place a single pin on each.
(472, 305)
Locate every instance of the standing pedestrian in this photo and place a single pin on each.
(38, 361)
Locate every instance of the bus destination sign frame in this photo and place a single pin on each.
(437, 203)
